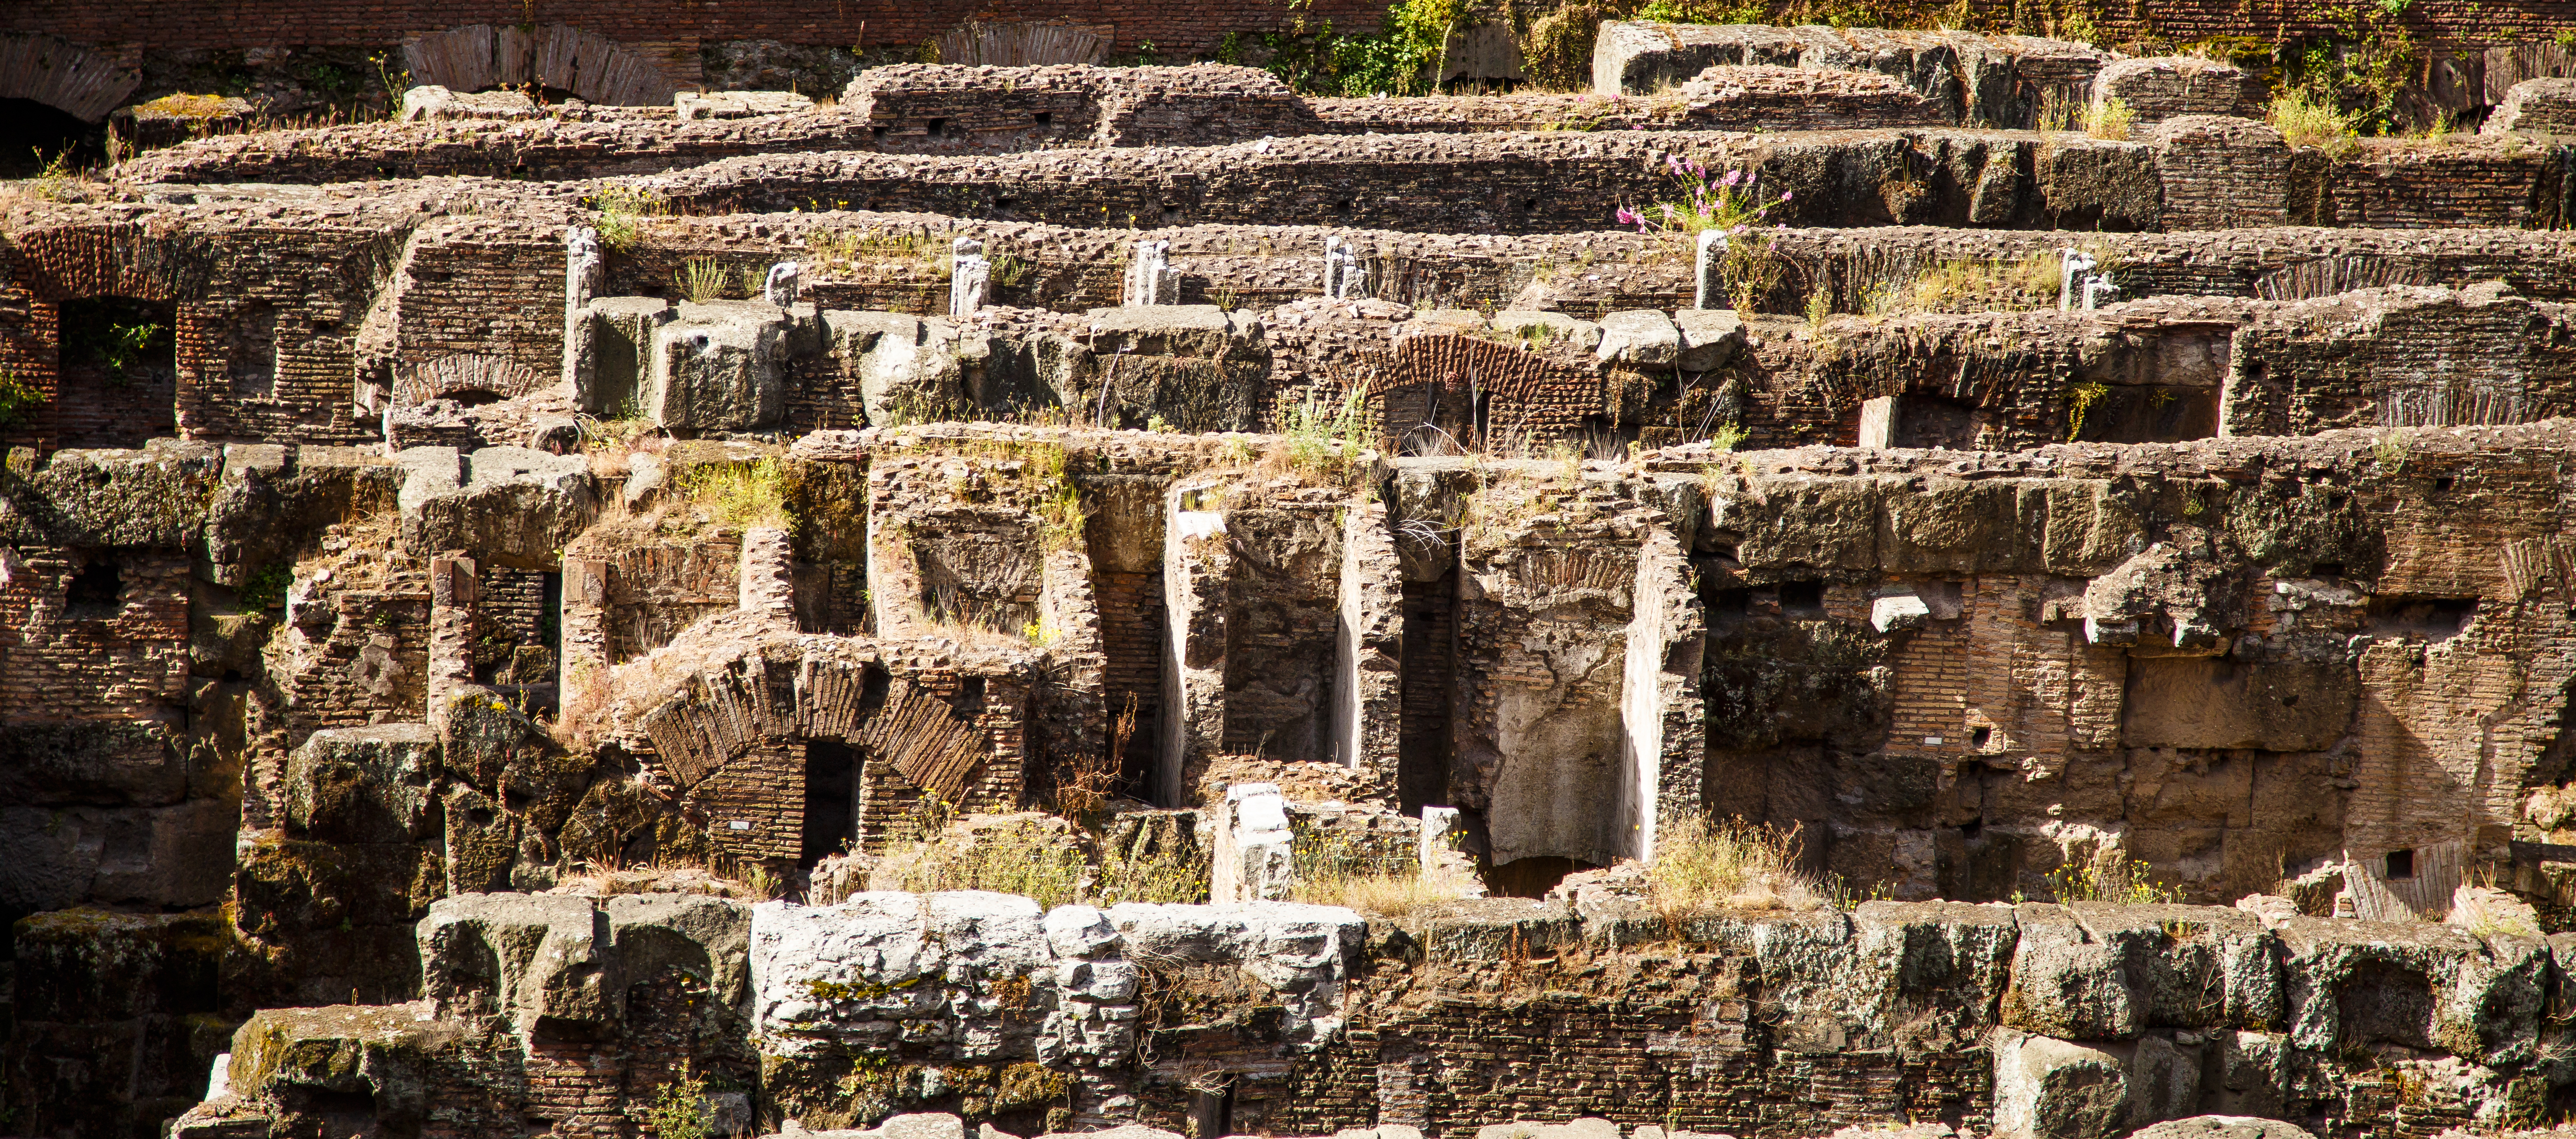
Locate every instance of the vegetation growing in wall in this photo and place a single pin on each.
(1969, 285)
(623, 212)
(679, 1109)
(1702, 866)
(1031, 856)
(2109, 119)
(1324, 440)
(1397, 59)
(1331, 867)
(2305, 119)
(740, 496)
(18, 399)
(2108, 877)
(702, 279)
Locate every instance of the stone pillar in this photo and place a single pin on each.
(451, 632)
(1344, 279)
(970, 278)
(785, 278)
(1196, 566)
(1878, 422)
(1253, 857)
(1368, 686)
(1712, 253)
(1661, 713)
(2072, 264)
(1150, 279)
(768, 575)
(585, 274)
(2096, 287)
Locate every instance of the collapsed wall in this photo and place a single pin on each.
(1275, 1018)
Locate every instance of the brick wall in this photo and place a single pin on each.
(125, 660)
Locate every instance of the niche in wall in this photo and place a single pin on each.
(119, 380)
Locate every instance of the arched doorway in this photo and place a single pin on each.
(55, 96)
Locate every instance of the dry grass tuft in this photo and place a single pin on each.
(740, 496)
(1969, 285)
(2110, 119)
(1386, 895)
(1701, 867)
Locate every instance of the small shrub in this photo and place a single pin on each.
(55, 177)
(1395, 895)
(1330, 868)
(2109, 879)
(1976, 285)
(740, 496)
(2079, 401)
(2308, 120)
(701, 279)
(2109, 119)
(18, 399)
(1326, 441)
(1820, 305)
(1164, 874)
(680, 1110)
(266, 586)
(1699, 867)
(2057, 112)
(623, 211)
(1057, 501)
(1732, 201)
(2390, 452)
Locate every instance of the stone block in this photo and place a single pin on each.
(106, 764)
(2055, 1089)
(1710, 338)
(393, 1054)
(2157, 88)
(612, 343)
(432, 103)
(1544, 327)
(720, 366)
(2353, 984)
(2051, 1089)
(2211, 702)
(508, 502)
(364, 785)
(907, 367)
(2222, 1127)
(1644, 338)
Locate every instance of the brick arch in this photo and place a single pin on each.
(726, 708)
(1436, 378)
(447, 375)
(63, 75)
(119, 259)
(590, 65)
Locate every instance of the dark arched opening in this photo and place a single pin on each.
(33, 134)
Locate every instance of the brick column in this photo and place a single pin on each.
(583, 626)
(767, 581)
(451, 632)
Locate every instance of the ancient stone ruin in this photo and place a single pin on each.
(662, 575)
